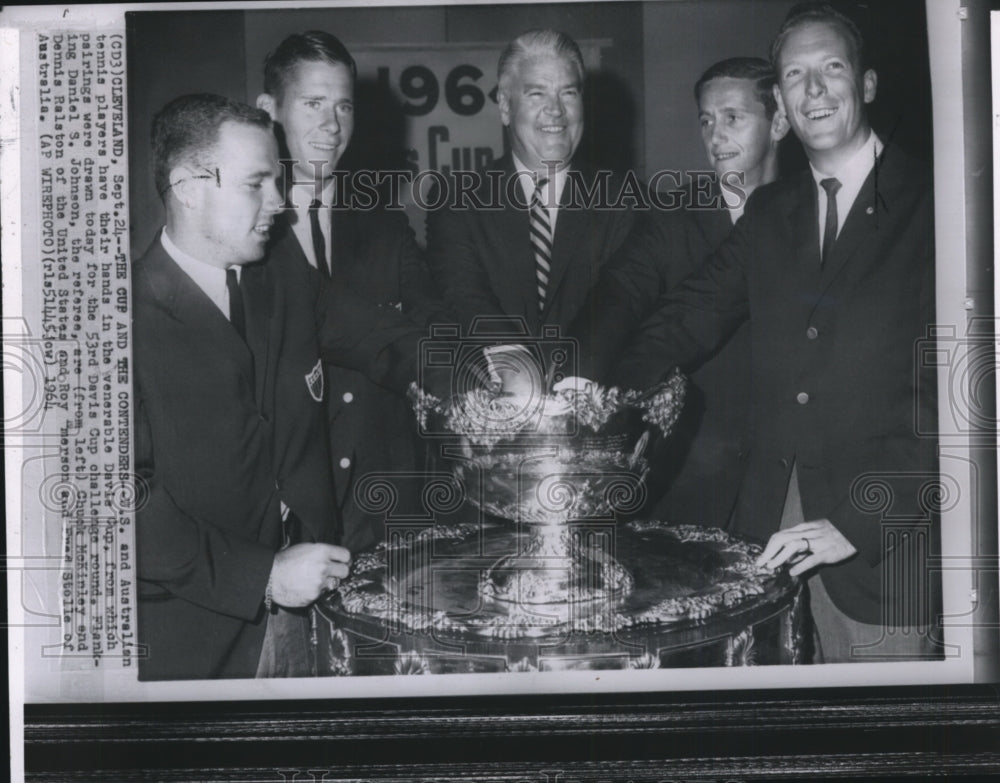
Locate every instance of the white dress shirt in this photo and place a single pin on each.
(852, 176)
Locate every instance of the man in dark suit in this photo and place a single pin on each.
(696, 475)
(838, 289)
(309, 93)
(536, 248)
(236, 513)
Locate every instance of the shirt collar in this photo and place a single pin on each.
(303, 194)
(528, 179)
(210, 279)
(853, 173)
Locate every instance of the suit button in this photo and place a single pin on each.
(345, 463)
(802, 398)
(348, 397)
(783, 462)
(812, 332)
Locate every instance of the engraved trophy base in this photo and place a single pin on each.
(415, 605)
(560, 585)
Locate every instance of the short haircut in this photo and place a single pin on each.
(804, 13)
(754, 69)
(186, 130)
(312, 46)
(535, 43)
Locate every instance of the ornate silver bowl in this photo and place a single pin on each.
(559, 466)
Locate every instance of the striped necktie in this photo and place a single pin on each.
(541, 241)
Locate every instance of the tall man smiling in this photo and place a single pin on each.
(835, 269)
(309, 93)
(534, 255)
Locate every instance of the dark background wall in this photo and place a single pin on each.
(640, 109)
(681, 39)
(170, 54)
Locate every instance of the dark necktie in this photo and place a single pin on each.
(831, 186)
(319, 243)
(541, 241)
(237, 317)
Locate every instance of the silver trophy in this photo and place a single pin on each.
(558, 467)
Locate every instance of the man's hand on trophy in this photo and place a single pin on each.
(806, 546)
(301, 573)
(574, 383)
(515, 371)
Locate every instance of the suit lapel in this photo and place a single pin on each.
(508, 228)
(801, 265)
(257, 293)
(861, 226)
(342, 243)
(714, 225)
(186, 302)
(571, 227)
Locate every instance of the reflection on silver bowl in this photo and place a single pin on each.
(546, 461)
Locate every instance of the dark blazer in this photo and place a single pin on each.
(483, 263)
(835, 388)
(695, 475)
(226, 431)
(372, 430)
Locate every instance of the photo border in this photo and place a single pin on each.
(802, 734)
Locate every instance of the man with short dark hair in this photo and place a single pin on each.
(835, 269)
(233, 467)
(695, 476)
(741, 127)
(309, 93)
(530, 256)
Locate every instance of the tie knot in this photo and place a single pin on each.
(537, 198)
(831, 185)
(231, 278)
(315, 204)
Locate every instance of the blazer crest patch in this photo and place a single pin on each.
(314, 381)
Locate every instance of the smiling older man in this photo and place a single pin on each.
(533, 255)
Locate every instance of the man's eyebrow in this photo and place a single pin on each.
(310, 96)
(734, 107)
(261, 174)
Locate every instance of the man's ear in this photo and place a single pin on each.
(780, 101)
(870, 82)
(268, 104)
(183, 187)
(504, 103)
(779, 125)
